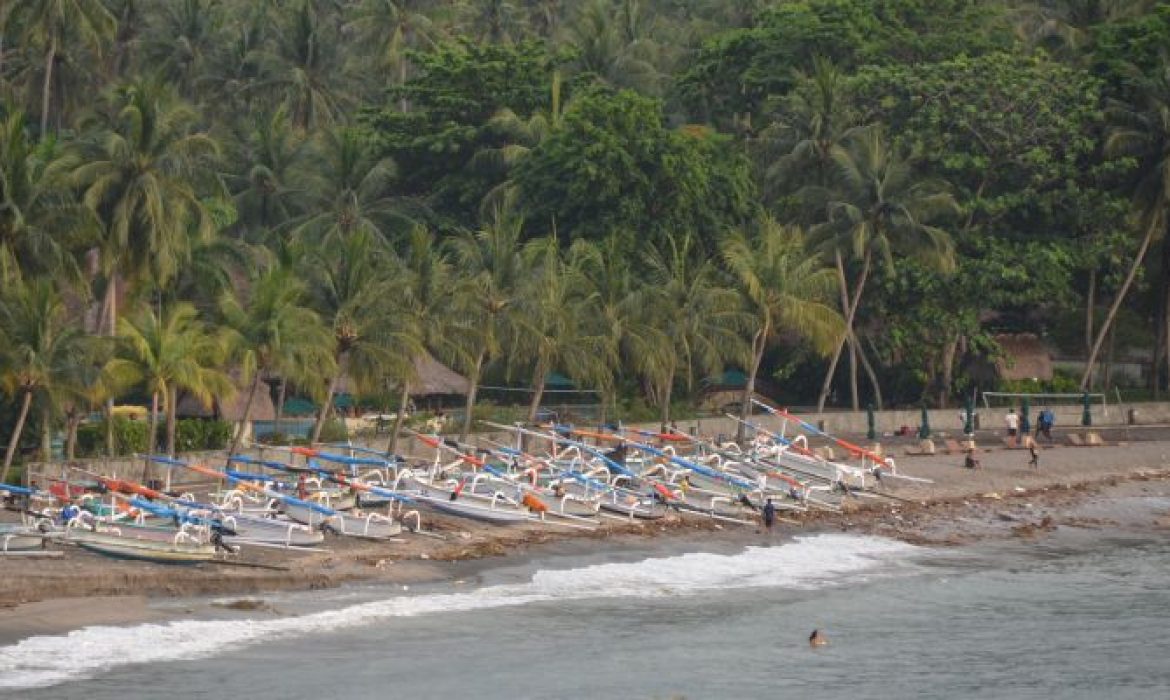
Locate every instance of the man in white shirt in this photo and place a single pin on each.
(1013, 423)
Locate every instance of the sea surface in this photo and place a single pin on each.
(1079, 614)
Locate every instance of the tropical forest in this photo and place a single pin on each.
(847, 201)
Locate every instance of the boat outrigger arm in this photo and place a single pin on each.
(883, 465)
(331, 476)
(244, 482)
(610, 464)
(681, 462)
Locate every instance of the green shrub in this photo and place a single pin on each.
(199, 435)
(191, 435)
(334, 431)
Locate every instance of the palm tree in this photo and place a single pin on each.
(786, 290)
(390, 28)
(39, 220)
(273, 331)
(692, 323)
(169, 354)
(520, 135)
(39, 343)
(605, 271)
(490, 269)
(493, 21)
(234, 72)
(1140, 131)
(355, 287)
(350, 192)
(810, 128)
(556, 326)
(428, 298)
(1069, 23)
(50, 24)
(879, 208)
(303, 73)
(615, 46)
(143, 170)
(544, 16)
(181, 38)
(269, 185)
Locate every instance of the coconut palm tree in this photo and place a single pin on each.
(171, 353)
(810, 129)
(692, 322)
(50, 25)
(616, 47)
(520, 135)
(268, 181)
(39, 343)
(490, 269)
(143, 170)
(273, 331)
(1140, 131)
(349, 192)
(786, 289)
(428, 297)
(556, 323)
(605, 271)
(389, 29)
(233, 77)
(39, 219)
(180, 38)
(1069, 23)
(492, 21)
(303, 71)
(355, 286)
(880, 208)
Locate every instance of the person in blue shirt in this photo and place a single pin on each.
(1044, 423)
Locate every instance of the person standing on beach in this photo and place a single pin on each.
(1044, 424)
(1034, 462)
(769, 515)
(1012, 421)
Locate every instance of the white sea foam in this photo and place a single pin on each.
(807, 563)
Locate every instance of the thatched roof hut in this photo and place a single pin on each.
(1025, 356)
(435, 378)
(231, 410)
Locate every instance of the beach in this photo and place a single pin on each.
(1003, 499)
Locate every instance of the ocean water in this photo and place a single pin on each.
(1082, 614)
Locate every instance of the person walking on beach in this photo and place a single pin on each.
(769, 515)
(1033, 450)
(1012, 421)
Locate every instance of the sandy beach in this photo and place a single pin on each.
(1004, 498)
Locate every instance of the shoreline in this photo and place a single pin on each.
(1002, 500)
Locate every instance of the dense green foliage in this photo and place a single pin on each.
(192, 435)
(633, 193)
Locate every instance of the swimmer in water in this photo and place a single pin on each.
(818, 639)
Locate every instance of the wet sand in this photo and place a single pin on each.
(1005, 498)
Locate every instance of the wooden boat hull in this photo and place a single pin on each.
(20, 539)
(143, 550)
(272, 531)
(377, 528)
(639, 510)
(476, 511)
